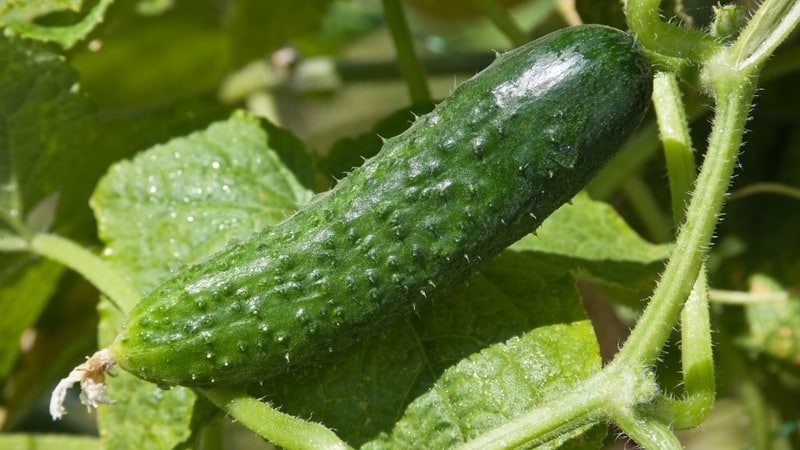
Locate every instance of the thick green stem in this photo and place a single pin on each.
(410, 65)
(734, 96)
(648, 434)
(697, 362)
(583, 405)
(89, 265)
(644, 20)
(771, 24)
(279, 428)
(697, 356)
(674, 130)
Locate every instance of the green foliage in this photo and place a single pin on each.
(100, 115)
(20, 17)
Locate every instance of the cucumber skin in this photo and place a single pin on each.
(479, 172)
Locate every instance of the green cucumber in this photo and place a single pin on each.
(480, 171)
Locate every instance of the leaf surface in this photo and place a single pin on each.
(169, 206)
(590, 240)
(489, 350)
(20, 16)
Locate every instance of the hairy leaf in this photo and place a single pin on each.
(171, 205)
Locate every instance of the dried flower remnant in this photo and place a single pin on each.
(91, 376)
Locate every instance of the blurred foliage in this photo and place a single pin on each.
(152, 70)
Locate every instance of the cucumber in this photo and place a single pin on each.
(480, 171)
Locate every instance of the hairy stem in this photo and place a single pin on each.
(279, 428)
(734, 96)
(674, 130)
(646, 432)
(89, 265)
(644, 20)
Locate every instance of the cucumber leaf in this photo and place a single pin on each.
(20, 16)
(171, 205)
(489, 350)
(44, 123)
(182, 200)
(590, 240)
(167, 207)
(167, 69)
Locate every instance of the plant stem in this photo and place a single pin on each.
(674, 130)
(646, 432)
(641, 198)
(745, 298)
(407, 59)
(697, 363)
(767, 188)
(771, 24)
(644, 20)
(697, 357)
(583, 405)
(89, 265)
(279, 428)
(643, 347)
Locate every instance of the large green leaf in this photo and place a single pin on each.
(44, 123)
(172, 205)
(140, 62)
(489, 350)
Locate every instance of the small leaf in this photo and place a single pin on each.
(171, 205)
(28, 10)
(774, 325)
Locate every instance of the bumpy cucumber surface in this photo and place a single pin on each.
(483, 169)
